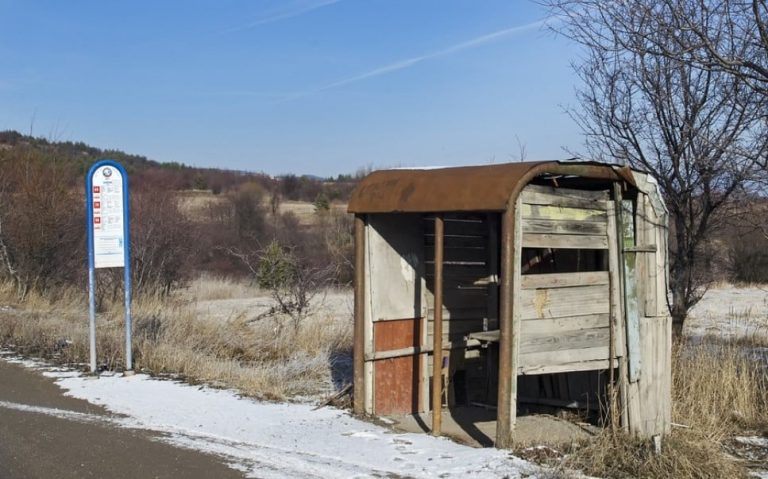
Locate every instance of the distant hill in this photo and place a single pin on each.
(177, 176)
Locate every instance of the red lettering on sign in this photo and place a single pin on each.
(97, 204)
(97, 189)
(96, 220)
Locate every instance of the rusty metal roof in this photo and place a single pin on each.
(465, 188)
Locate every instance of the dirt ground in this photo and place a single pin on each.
(477, 427)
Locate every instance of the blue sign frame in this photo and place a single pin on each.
(91, 261)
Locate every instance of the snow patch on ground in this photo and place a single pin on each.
(730, 312)
(278, 440)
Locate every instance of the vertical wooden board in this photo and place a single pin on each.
(615, 286)
(616, 231)
(517, 257)
(667, 374)
(652, 272)
(650, 397)
(641, 258)
(630, 292)
(662, 267)
(396, 257)
(368, 325)
(397, 385)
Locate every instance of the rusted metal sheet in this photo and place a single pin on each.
(396, 334)
(397, 379)
(397, 385)
(467, 188)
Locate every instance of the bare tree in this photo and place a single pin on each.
(700, 132)
(724, 35)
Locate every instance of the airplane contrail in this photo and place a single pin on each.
(280, 16)
(409, 62)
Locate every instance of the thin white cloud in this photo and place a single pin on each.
(295, 12)
(409, 62)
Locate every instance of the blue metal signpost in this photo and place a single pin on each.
(109, 244)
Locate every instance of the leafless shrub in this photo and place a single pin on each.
(41, 222)
(291, 281)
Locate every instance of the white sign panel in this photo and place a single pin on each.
(108, 220)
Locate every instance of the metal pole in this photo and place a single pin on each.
(91, 269)
(437, 336)
(92, 316)
(127, 272)
(358, 353)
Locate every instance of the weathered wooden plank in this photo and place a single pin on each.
(564, 201)
(517, 311)
(562, 325)
(563, 302)
(560, 357)
(556, 193)
(562, 280)
(575, 227)
(564, 340)
(567, 367)
(553, 212)
(535, 240)
(631, 291)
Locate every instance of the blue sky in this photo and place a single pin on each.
(304, 86)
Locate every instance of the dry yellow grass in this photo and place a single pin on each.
(196, 204)
(720, 386)
(171, 338)
(720, 389)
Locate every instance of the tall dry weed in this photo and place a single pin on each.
(171, 337)
(720, 388)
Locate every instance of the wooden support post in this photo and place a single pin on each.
(437, 347)
(621, 317)
(507, 401)
(358, 358)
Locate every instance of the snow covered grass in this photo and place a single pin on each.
(276, 440)
(177, 336)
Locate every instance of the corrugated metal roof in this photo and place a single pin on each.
(466, 188)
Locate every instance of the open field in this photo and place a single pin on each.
(197, 204)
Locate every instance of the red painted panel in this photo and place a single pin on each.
(396, 380)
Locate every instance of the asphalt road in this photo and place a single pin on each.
(44, 434)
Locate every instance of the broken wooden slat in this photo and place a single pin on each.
(593, 365)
